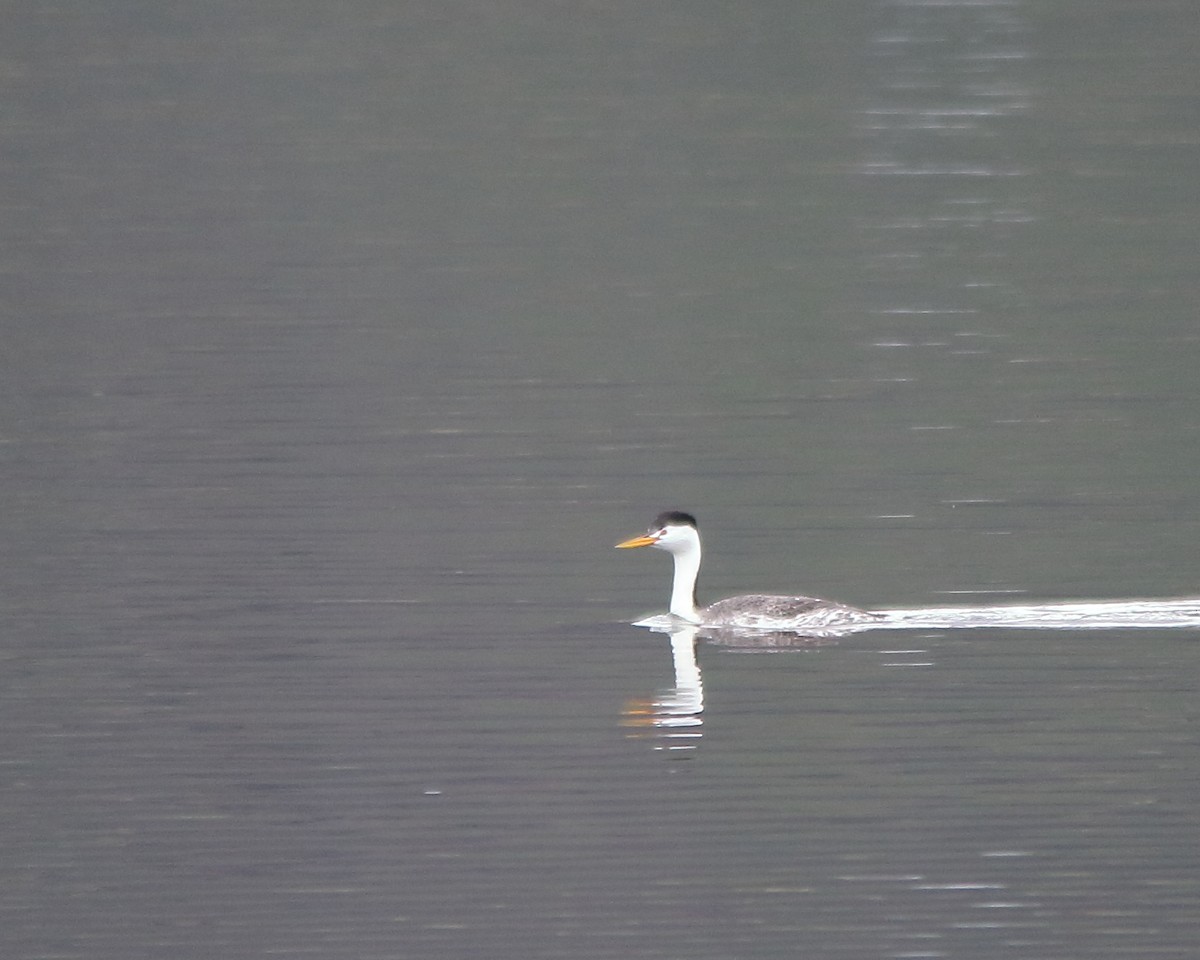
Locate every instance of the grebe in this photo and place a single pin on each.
(677, 533)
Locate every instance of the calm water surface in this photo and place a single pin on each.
(341, 346)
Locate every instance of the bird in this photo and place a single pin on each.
(678, 533)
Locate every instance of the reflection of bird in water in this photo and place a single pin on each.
(675, 715)
(677, 534)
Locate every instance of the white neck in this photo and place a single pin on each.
(683, 590)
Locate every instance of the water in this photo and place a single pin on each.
(341, 346)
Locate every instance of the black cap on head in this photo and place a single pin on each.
(674, 518)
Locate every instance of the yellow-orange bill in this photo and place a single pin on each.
(642, 541)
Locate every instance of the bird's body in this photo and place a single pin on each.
(677, 534)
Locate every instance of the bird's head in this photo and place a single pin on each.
(672, 530)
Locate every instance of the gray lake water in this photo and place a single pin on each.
(342, 342)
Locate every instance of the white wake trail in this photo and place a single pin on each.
(1072, 615)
